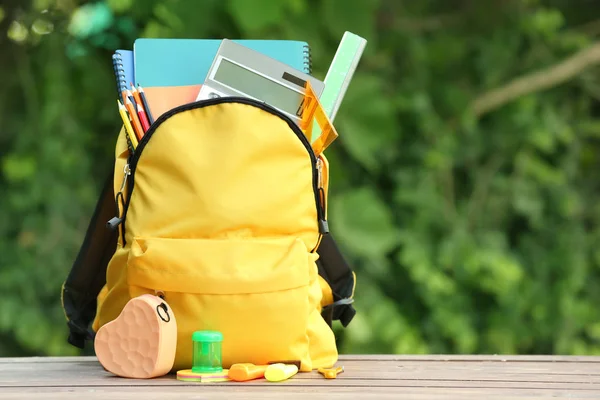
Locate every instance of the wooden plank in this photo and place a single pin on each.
(91, 374)
(380, 357)
(467, 369)
(11, 374)
(360, 370)
(37, 360)
(290, 393)
(371, 377)
(487, 365)
(471, 358)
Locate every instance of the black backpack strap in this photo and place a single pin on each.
(88, 273)
(342, 280)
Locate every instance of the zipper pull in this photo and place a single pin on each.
(126, 173)
(319, 172)
(323, 225)
(114, 222)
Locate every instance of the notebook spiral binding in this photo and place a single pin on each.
(121, 86)
(307, 59)
(119, 73)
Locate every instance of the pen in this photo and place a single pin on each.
(145, 103)
(127, 124)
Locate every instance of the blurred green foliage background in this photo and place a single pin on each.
(464, 186)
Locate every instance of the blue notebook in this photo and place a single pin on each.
(182, 62)
(124, 69)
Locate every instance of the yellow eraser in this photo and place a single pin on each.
(280, 372)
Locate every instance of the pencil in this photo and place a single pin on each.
(143, 119)
(136, 95)
(131, 98)
(134, 119)
(127, 124)
(145, 103)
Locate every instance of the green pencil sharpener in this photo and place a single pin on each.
(207, 352)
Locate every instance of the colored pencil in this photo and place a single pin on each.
(134, 119)
(143, 118)
(127, 124)
(145, 103)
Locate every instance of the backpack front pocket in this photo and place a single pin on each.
(254, 291)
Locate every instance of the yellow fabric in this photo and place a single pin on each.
(223, 222)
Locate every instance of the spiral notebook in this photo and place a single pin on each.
(171, 71)
(124, 69)
(182, 62)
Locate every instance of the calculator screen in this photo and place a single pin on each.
(258, 86)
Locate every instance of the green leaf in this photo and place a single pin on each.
(256, 15)
(41, 5)
(17, 169)
(120, 6)
(356, 16)
(533, 166)
(155, 29)
(369, 232)
(42, 27)
(545, 22)
(168, 17)
(366, 123)
(90, 19)
(18, 32)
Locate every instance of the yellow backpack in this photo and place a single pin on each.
(221, 210)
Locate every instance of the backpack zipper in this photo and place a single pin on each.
(114, 222)
(132, 165)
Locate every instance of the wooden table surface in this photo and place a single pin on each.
(365, 377)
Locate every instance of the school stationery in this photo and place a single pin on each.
(280, 372)
(136, 95)
(123, 70)
(182, 62)
(135, 122)
(340, 74)
(330, 373)
(242, 372)
(141, 342)
(127, 124)
(313, 110)
(187, 375)
(173, 70)
(143, 119)
(164, 98)
(238, 70)
(145, 103)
